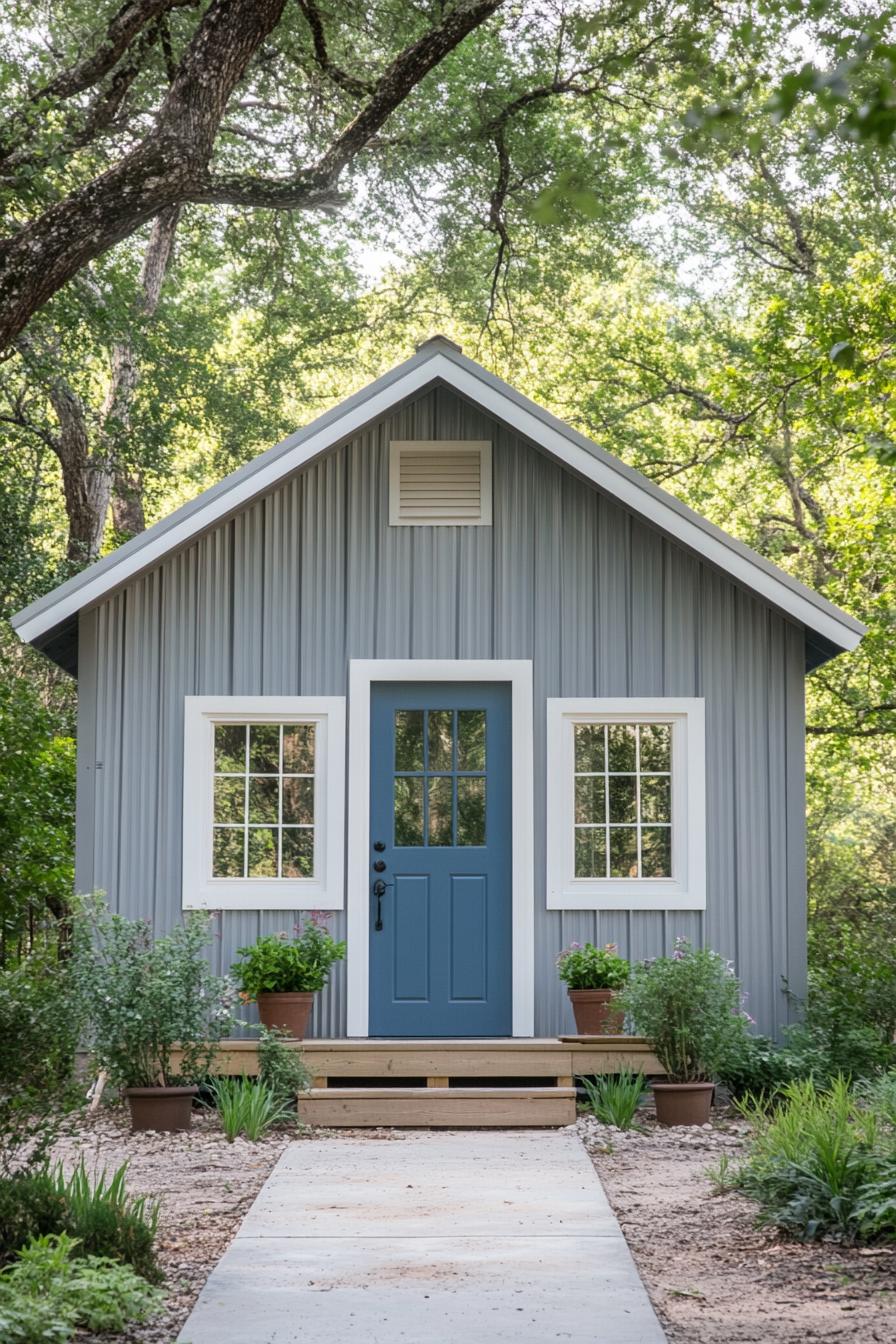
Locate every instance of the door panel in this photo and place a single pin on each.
(440, 827)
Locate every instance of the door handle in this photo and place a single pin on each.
(379, 891)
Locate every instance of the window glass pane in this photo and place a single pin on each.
(656, 851)
(298, 852)
(230, 798)
(298, 802)
(656, 793)
(621, 746)
(227, 851)
(471, 811)
(590, 798)
(623, 797)
(441, 729)
(623, 851)
(408, 811)
(656, 746)
(264, 748)
(471, 739)
(409, 739)
(591, 851)
(262, 851)
(298, 748)
(230, 747)
(440, 799)
(264, 796)
(589, 744)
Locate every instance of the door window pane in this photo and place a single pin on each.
(441, 734)
(408, 811)
(409, 739)
(439, 828)
(471, 811)
(471, 739)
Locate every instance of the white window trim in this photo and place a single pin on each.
(434, 448)
(362, 674)
(325, 891)
(686, 889)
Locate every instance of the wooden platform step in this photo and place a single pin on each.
(438, 1107)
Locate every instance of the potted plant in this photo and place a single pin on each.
(155, 1014)
(689, 1007)
(283, 974)
(593, 976)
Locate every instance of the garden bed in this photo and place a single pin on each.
(713, 1276)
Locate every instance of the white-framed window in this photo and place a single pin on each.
(264, 802)
(626, 803)
(440, 483)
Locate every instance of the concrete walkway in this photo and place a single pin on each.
(473, 1237)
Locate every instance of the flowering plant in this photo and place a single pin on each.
(147, 998)
(689, 1007)
(278, 964)
(590, 967)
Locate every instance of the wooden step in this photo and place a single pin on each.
(438, 1107)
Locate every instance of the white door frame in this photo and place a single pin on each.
(362, 673)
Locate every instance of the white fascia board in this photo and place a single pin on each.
(470, 380)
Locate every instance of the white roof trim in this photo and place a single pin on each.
(438, 360)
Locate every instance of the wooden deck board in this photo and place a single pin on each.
(438, 1107)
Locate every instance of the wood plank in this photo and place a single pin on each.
(437, 1082)
(439, 1108)
(448, 1062)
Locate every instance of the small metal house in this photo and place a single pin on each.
(439, 664)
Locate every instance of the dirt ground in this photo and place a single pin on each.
(715, 1277)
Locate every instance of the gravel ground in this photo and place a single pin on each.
(713, 1276)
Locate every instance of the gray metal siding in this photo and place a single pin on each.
(281, 597)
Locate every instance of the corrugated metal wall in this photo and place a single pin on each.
(277, 600)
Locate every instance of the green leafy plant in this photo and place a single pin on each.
(156, 1011)
(879, 1096)
(278, 964)
(249, 1106)
(755, 1066)
(51, 1290)
(589, 967)
(281, 1066)
(614, 1097)
(723, 1176)
(100, 1214)
(689, 1007)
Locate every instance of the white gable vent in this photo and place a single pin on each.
(440, 482)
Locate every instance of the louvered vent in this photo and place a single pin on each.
(440, 482)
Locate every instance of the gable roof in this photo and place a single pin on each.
(49, 623)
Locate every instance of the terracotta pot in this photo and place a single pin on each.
(683, 1103)
(593, 1012)
(165, 1108)
(289, 1012)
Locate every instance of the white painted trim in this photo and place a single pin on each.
(525, 417)
(686, 889)
(326, 890)
(362, 673)
(442, 448)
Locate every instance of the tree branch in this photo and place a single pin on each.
(334, 73)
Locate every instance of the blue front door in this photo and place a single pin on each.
(440, 860)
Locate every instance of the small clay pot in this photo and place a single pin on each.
(289, 1012)
(683, 1103)
(594, 1013)
(164, 1108)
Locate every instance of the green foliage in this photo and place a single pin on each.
(250, 1106)
(52, 1289)
(41, 1016)
(98, 1213)
(281, 1067)
(278, 964)
(723, 1176)
(821, 1163)
(689, 1008)
(614, 1097)
(148, 996)
(755, 1066)
(590, 967)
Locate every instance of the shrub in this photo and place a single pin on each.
(282, 1068)
(278, 964)
(48, 1293)
(614, 1097)
(834, 1038)
(249, 1106)
(148, 997)
(100, 1215)
(689, 1007)
(590, 967)
(879, 1096)
(818, 1164)
(755, 1066)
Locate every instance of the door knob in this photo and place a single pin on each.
(379, 846)
(379, 866)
